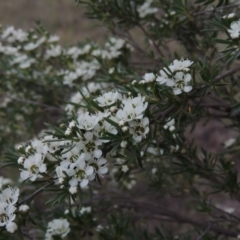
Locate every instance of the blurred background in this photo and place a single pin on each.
(59, 17)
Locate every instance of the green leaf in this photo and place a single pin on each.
(222, 41)
(235, 110)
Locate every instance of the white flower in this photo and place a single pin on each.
(39, 146)
(73, 189)
(99, 166)
(182, 65)
(107, 99)
(117, 42)
(181, 83)
(72, 124)
(58, 227)
(8, 50)
(229, 142)
(89, 145)
(9, 195)
(146, 9)
(87, 121)
(174, 76)
(19, 35)
(123, 144)
(125, 168)
(27, 63)
(31, 46)
(66, 212)
(68, 132)
(111, 70)
(53, 38)
(8, 31)
(79, 173)
(229, 16)
(154, 170)
(6, 213)
(71, 155)
(19, 58)
(34, 167)
(234, 30)
(163, 77)
(133, 109)
(69, 77)
(121, 123)
(155, 151)
(52, 146)
(54, 51)
(138, 130)
(142, 82)
(99, 228)
(85, 210)
(125, 128)
(149, 77)
(105, 127)
(11, 227)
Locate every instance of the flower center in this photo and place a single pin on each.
(4, 218)
(90, 146)
(94, 165)
(80, 174)
(34, 169)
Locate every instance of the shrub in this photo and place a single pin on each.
(141, 134)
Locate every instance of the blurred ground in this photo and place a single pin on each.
(60, 17)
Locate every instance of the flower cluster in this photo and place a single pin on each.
(36, 60)
(176, 76)
(78, 158)
(8, 199)
(57, 228)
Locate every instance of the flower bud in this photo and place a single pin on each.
(123, 144)
(21, 160)
(23, 208)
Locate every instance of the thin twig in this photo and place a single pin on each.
(227, 74)
(29, 198)
(205, 232)
(154, 44)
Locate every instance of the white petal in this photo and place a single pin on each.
(73, 182)
(170, 83)
(11, 227)
(103, 170)
(187, 88)
(43, 168)
(84, 183)
(89, 170)
(187, 78)
(24, 175)
(101, 161)
(97, 153)
(34, 177)
(177, 91)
